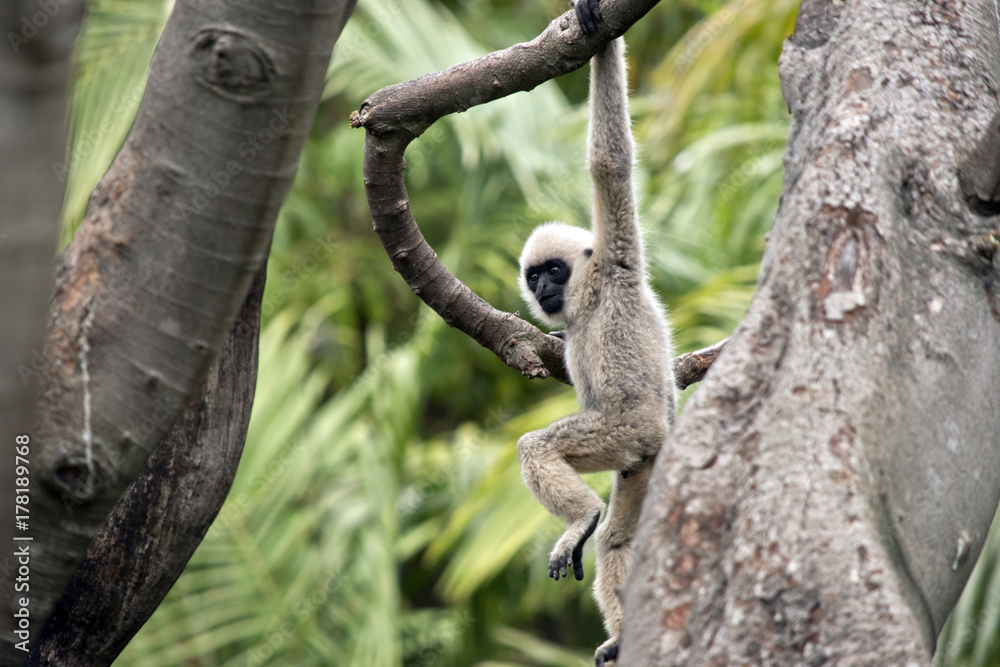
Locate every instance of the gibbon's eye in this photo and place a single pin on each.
(554, 270)
(533, 277)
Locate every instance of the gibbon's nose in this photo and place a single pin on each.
(545, 288)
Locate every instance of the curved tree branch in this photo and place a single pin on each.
(395, 116)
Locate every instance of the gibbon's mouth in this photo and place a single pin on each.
(551, 304)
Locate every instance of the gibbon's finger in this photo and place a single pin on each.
(558, 565)
(588, 13)
(595, 9)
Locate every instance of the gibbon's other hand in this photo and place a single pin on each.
(588, 13)
(561, 334)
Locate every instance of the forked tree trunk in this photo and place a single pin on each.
(144, 299)
(829, 487)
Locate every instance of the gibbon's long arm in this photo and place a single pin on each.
(397, 114)
(611, 155)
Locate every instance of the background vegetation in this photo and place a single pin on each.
(378, 517)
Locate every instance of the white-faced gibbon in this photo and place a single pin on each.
(618, 351)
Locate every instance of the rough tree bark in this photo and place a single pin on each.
(829, 487)
(157, 525)
(149, 288)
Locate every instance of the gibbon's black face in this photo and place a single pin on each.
(547, 282)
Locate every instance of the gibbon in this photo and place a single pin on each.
(618, 352)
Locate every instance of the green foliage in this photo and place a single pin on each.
(969, 638)
(379, 517)
(111, 62)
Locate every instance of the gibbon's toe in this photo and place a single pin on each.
(569, 548)
(559, 563)
(605, 654)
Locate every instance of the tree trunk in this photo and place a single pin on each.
(163, 516)
(827, 490)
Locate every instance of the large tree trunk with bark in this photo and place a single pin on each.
(829, 487)
(158, 523)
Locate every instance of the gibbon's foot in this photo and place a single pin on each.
(588, 13)
(606, 652)
(569, 548)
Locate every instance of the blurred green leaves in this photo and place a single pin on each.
(111, 62)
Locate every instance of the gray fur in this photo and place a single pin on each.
(618, 356)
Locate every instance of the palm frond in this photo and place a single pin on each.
(111, 62)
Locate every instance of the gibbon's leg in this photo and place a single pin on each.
(613, 543)
(550, 462)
